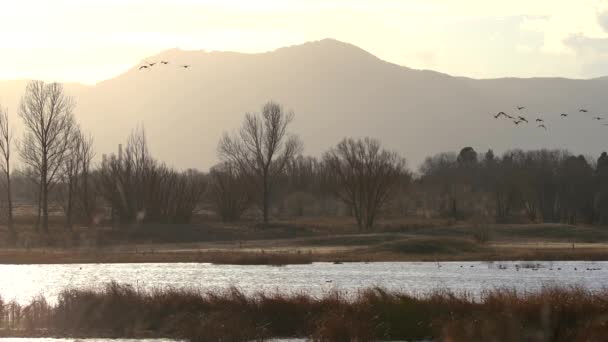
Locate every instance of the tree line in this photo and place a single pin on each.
(537, 185)
(262, 170)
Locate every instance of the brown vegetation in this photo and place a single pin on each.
(301, 241)
(555, 314)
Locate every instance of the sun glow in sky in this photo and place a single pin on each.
(88, 41)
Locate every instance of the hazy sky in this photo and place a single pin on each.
(88, 41)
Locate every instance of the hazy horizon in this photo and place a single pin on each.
(270, 50)
(70, 41)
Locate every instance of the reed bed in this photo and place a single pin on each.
(117, 310)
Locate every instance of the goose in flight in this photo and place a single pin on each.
(540, 120)
(186, 66)
(509, 116)
(520, 107)
(542, 126)
(583, 110)
(597, 118)
(521, 118)
(499, 114)
(143, 67)
(517, 122)
(151, 64)
(563, 115)
(164, 62)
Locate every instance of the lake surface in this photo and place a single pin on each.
(22, 282)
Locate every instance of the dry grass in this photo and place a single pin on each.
(54, 256)
(412, 249)
(317, 239)
(553, 314)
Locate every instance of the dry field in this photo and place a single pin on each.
(303, 240)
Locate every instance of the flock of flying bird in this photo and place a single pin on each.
(518, 119)
(149, 65)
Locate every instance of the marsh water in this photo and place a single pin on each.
(23, 282)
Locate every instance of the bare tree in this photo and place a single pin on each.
(86, 196)
(262, 148)
(230, 191)
(68, 175)
(140, 189)
(364, 176)
(47, 114)
(6, 139)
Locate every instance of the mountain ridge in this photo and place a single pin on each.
(335, 88)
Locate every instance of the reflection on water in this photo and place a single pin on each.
(22, 282)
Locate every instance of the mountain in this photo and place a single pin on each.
(336, 90)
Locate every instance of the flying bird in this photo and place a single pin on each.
(516, 122)
(520, 108)
(563, 115)
(540, 120)
(186, 66)
(151, 64)
(499, 114)
(143, 67)
(164, 62)
(521, 118)
(542, 126)
(509, 116)
(597, 118)
(583, 110)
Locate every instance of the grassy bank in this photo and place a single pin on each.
(58, 256)
(569, 314)
(305, 241)
(286, 252)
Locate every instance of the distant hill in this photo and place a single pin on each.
(336, 90)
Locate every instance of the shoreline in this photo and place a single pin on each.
(236, 257)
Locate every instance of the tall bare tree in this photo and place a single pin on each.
(47, 113)
(262, 148)
(6, 139)
(364, 176)
(86, 196)
(69, 174)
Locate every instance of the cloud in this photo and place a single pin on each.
(602, 20)
(591, 54)
(587, 45)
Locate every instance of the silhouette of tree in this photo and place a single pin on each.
(601, 175)
(576, 189)
(84, 188)
(6, 142)
(262, 148)
(467, 157)
(68, 175)
(230, 191)
(47, 114)
(140, 189)
(365, 176)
